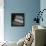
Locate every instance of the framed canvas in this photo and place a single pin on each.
(17, 19)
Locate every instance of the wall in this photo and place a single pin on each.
(43, 6)
(1, 21)
(28, 7)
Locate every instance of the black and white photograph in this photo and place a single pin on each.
(17, 19)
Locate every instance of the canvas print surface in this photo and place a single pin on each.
(17, 19)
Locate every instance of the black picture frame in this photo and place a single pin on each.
(17, 19)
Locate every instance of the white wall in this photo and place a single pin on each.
(43, 6)
(1, 20)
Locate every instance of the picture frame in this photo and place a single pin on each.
(17, 19)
